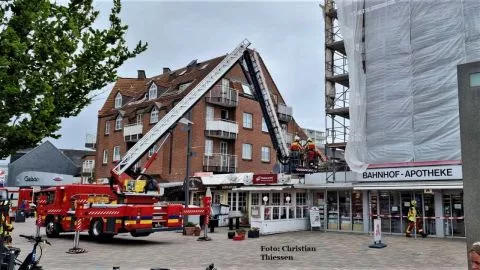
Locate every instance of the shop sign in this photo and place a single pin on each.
(264, 179)
(34, 178)
(412, 173)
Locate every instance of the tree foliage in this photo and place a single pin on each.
(51, 60)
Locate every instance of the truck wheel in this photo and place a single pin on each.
(52, 229)
(135, 234)
(96, 231)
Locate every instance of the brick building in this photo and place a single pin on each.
(228, 132)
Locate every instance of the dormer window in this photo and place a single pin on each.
(183, 72)
(118, 101)
(154, 115)
(152, 92)
(183, 86)
(118, 122)
(204, 66)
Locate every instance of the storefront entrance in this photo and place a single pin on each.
(392, 207)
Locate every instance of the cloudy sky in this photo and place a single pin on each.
(288, 35)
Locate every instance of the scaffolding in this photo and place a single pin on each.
(336, 93)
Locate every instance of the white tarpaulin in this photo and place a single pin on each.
(404, 107)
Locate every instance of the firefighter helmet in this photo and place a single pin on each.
(413, 203)
(297, 139)
(309, 140)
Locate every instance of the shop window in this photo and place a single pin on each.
(196, 199)
(242, 201)
(275, 198)
(357, 210)
(345, 211)
(216, 198)
(332, 210)
(255, 199)
(268, 198)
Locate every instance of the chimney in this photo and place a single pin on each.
(166, 70)
(141, 74)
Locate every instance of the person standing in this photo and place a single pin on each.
(474, 256)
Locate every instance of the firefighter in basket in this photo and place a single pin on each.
(311, 153)
(413, 221)
(296, 150)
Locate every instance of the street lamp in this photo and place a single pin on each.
(265, 199)
(288, 199)
(186, 183)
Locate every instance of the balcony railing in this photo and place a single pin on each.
(222, 129)
(132, 132)
(223, 96)
(284, 112)
(88, 169)
(221, 163)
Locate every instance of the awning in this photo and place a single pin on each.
(261, 188)
(171, 184)
(410, 185)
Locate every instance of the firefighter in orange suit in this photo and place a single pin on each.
(412, 220)
(311, 152)
(295, 151)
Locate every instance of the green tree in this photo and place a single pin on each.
(51, 61)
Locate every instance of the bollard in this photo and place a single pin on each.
(76, 239)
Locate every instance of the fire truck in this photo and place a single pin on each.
(131, 201)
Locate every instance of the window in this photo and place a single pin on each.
(118, 122)
(116, 153)
(210, 114)
(204, 66)
(475, 79)
(264, 125)
(105, 156)
(247, 151)
(247, 120)
(265, 154)
(152, 150)
(118, 101)
(107, 127)
(183, 72)
(208, 147)
(139, 119)
(183, 86)
(152, 92)
(224, 114)
(246, 89)
(154, 115)
(255, 199)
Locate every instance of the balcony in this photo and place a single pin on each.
(220, 163)
(222, 129)
(87, 169)
(223, 96)
(132, 132)
(284, 113)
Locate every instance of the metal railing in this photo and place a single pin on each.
(221, 128)
(216, 162)
(284, 112)
(224, 96)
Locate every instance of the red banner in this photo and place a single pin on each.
(264, 179)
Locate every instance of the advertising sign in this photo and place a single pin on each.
(315, 217)
(377, 231)
(264, 179)
(33, 178)
(412, 173)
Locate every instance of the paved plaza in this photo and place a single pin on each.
(296, 250)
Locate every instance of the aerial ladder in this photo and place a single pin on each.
(251, 67)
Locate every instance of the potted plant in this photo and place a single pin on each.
(197, 230)
(241, 232)
(189, 228)
(254, 232)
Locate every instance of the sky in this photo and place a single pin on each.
(288, 35)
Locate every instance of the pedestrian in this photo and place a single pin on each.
(413, 223)
(474, 256)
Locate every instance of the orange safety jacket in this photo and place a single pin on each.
(295, 146)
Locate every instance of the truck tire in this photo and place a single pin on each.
(52, 229)
(135, 234)
(96, 231)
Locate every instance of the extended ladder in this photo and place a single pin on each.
(173, 116)
(263, 94)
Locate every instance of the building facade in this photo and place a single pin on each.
(46, 165)
(228, 133)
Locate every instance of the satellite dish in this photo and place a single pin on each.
(276, 168)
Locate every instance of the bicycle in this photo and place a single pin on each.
(31, 261)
